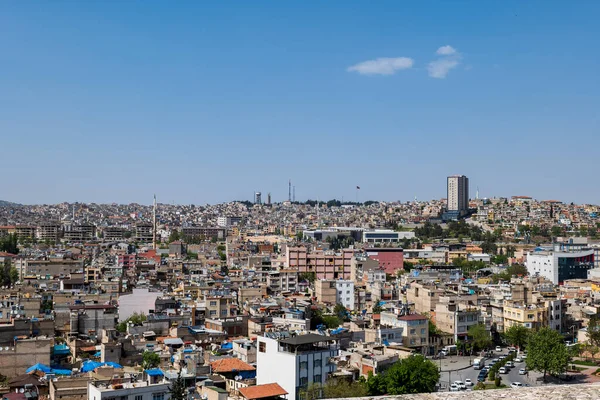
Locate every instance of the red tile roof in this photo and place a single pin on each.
(230, 365)
(262, 391)
(412, 317)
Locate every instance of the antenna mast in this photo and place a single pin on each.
(154, 225)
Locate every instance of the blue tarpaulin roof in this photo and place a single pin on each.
(39, 367)
(90, 366)
(227, 346)
(154, 372)
(61, 349)
(113, 364)
(97, 354)
(65, 372)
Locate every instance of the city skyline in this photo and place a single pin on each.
(204, 103)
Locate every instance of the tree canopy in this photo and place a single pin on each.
(480, 337)
(150, 360)
(414, 374)
(517, 335)
(546, 352)
(9, 244)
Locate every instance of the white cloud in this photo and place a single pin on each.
(382, 66)
(446, 51)
(441, 67)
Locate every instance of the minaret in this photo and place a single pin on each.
(290, 190)
(154, 225)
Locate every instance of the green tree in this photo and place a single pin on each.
(547, 353)
(331, 321)
(14, 275)
(517, 335)
(414, 374)
(480, 337)
(340, 311)
(174, 236)
(340, 388)
(150, 360)
(178, 388)
(377, 309)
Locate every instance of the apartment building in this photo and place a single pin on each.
(456, 318)
(205, 232)
(79, 233)
(530, 316)
(24, 231)
(155, 387)
(558, 266)
(391, 259)
(360, 265)
(51, 231)
(220, 306)
(92, 319)
(46, 269)
(295, 362)
(113, 233)
(425, 297)
(414, 328)
(283, 280)
(326, 291)
(325, 264)
(144, 232)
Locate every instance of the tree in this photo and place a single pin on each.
(480, 337)
(340, 388)
(14, 275)
(174, 236)
(517, 336)
(377, 309)
(178, 389)
(10, 244)
(414, 374)
(593, 331)
(340, 311)
(150, 360)
(547, 353)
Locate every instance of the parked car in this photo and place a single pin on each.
(503, 370)
(468, 382)
(522, 371)
(498, 349)
(509, 364)
(461, 385)
(518, 359)
(516, 385)
(454, 388)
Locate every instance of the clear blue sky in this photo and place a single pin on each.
(112, 101)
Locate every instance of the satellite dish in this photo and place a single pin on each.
(6, 348)
(21, 390)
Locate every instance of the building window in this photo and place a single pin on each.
(158, 396)
(303, 365)
(422, 331)
(213, 312)
(317, 363)
(413, 331)
(213, 303)
(303, 381)
(138, 397)
(317, 378)
(262, 347)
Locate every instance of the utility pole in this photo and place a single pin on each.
(154, 224)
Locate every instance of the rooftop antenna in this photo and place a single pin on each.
(290, 190)
(154, 224)
(294, 193)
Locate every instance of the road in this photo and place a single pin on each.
(461, 374)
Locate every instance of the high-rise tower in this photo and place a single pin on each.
(458, 195)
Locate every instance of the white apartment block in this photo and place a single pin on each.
(345, 293)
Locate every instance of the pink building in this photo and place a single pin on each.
(126, 261)
(390, 259)
(326, 264)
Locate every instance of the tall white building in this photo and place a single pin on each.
(458, 194)
(295, 362)
(345, 293)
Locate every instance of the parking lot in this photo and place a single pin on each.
(459, 368)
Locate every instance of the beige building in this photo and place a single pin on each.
(14, 361)
(455, 317)
(220, 307)
(325, 264)
(325, 291)
(530, 316)
(424, 297)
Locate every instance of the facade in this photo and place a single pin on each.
(49, 231)
(325, 264)
(92, 320)
(220, 307)
(326, 291)
(455, 318)
(345, 293)
(414, 328)
(458, 195)
(143, 232)
(206, 232)
(385, 236)
(558, 266)
(391, 259)
(530, 316)
(80, 233)
(295, 362)
(144, 390)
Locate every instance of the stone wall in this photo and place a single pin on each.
(27, 352)
(550, 392)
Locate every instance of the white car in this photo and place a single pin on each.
(454, 388)
(503, 370)
(516, 385)
(498, 349)
(522, 371)
(509, 364)
(460, 385)
(518, 359)
(468, 382)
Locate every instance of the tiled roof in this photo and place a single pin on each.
(230, 365)
(262, 391)
(412, 317)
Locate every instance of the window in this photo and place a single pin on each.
(413, 331)
(213, 312)
(138, 397)
(422, 331)
(213, 303)
(303, 365)
(317, 378)
(158, 396)
(303, 381)
(262, 347)
(317, 363)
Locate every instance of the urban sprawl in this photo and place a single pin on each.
(297, 300)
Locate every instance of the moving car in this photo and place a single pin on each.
(516, 385)
(460, 385)
(468, 382)
(518, 359)
(509, 364)
(503, 370)
(522, 371)
(498, 349)
(454, 388)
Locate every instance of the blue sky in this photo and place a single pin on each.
(198, 102)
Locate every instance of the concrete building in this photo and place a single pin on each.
(113, 233)
(15, 360)
(79, 233)
(530, 316)
(155, 387)
(425, 297)
(51, 231)
(326, 291)
(220, 306)
(458, 195)
(295, 362)
(204, 232)
(558, 266)
(455, 318)
(325, 264)
(226, 222)
(391, 259)
(92, 319)
(144, 232)
(414, 328)
(345, 293)
(385, 236)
